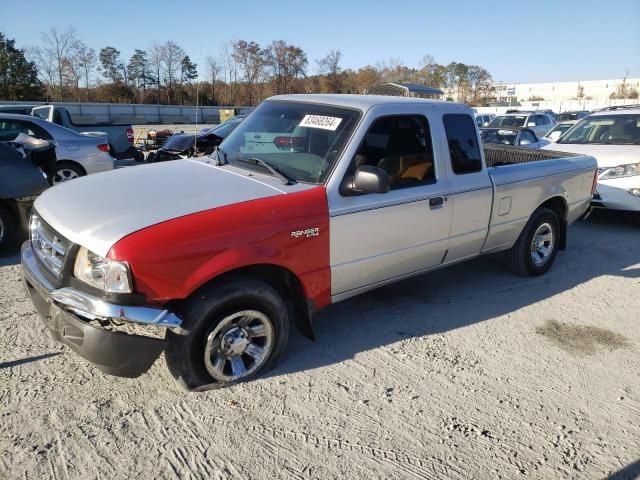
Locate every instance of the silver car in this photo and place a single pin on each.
(77, 154)
(540, 123)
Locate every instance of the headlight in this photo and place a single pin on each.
(103, 273)
(622, 171)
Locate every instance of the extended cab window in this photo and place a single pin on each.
(463, 143)
(401, 145)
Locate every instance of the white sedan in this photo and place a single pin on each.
(77, 154)
(612, 136)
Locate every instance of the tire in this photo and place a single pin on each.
(150, 157)
(139, 155)
(528, 260)
(199, 354)
(66, 171)
(8, 228)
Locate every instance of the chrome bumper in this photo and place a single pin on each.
(89, 306)
(69, 315)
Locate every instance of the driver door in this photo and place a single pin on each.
(380, 237)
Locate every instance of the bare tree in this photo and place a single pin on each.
(46, 64)
(232, 69)
(213, 70)
(252, 60)
(330, 66)
(72, 73)
(287, 63)
(171, 57)
(87, 61)
(155, 58)
(60, 45)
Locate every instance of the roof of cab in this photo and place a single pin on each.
(363, 102)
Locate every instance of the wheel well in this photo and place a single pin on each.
(557, 205)
(288, 287)
(72, 162)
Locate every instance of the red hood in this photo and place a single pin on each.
(172, 259)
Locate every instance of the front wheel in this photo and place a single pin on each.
(536, 248)
(66, 171)
(233, 330)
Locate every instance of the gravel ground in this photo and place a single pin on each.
(465, 373)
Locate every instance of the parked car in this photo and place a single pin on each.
(224, 252)
(483, 119)
(540, 123)
(553, 115)
(26, 167)
(515, 137)
(77, 154)
(184, 145)
(119, 135)
(612, 136)
(573, 116)
(17, 109)
(558, 130)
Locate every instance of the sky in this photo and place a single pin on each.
(517, 41)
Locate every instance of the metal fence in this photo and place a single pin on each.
(141, 114)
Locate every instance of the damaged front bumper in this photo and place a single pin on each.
(79, 320)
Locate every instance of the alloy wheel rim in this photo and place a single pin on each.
(2, 230)
(542, 244)
(239, 346)
(64, 175)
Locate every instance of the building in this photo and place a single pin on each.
(586, 95)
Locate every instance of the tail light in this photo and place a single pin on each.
(289, 142)
(130, 135)
(595, 183)
(104, 147)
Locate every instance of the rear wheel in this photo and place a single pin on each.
(536, 249)
(66, 171)
(233, 330)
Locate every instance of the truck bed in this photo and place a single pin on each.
(499, 155)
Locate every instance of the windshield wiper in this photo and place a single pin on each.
(275, 171)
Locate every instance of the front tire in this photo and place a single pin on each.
(8, 228)
(233, 330)
(536, 248)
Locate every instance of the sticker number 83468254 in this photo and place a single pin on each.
(320, 121)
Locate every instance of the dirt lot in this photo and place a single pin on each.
(465, 373)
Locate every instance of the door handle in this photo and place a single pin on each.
(436, 202)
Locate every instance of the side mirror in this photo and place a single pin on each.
(555, 136)
(525, 141)
(370, 179)
(531, 124)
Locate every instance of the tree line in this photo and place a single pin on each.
(63, 68)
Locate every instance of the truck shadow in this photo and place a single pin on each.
(465, 294)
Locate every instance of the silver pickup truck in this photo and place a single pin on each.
(311, 200)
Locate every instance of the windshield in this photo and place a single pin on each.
(224, 129)
(565, 117)
(560, 128)
(502, 137)
(605, 129)
(301, 140)
(508, 121)
(179, 142)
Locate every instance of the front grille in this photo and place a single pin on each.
(50, 247)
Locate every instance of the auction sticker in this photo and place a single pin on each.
(320, 121)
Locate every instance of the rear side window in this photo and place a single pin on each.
(463, 143)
